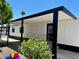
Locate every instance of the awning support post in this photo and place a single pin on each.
(8, 32)
(22, 29)
(54, 34)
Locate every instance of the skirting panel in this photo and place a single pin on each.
(68, 47)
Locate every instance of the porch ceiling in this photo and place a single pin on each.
(17, 23)
(39, 19)
(48, 18)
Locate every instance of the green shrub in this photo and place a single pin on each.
(35, 49)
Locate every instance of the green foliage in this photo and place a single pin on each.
(22, 13)
(35, 49)
(5, 12)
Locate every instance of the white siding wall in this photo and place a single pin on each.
(17, 31)
(68, 32)
(37, 30)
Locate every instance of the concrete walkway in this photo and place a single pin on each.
(64, 54)
(4, 38)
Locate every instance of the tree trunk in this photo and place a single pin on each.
(0, 32)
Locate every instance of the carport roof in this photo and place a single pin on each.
(61, 8)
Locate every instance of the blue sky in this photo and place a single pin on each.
(35, 6)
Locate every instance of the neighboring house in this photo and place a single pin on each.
(3, 29)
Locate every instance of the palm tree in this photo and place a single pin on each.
(23, 13)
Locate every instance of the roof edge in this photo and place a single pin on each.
(62, 8)
(68, 12)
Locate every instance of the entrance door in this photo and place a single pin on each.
(49, 32)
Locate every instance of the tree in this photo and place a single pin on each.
(23, 13)
(5, 12)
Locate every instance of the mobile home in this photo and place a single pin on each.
(56, 25)
(39, 25)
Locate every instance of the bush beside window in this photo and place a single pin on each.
(35, 49)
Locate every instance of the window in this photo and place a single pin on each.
(13, 29)
(49, 29)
